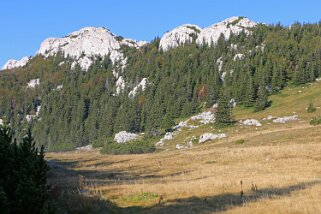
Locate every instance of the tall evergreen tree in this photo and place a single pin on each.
(224, 116)
(262, 98)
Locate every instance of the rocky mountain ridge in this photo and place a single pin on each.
(87, 43)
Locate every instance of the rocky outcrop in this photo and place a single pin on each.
(83, 46)
(285, 119)
(204, 117)
(251, 122)
(233, 25)
(12, 63)
(33, 83)
(209, 35)
(141, 86)
(123, 137)
(210, 136)
(179, 36)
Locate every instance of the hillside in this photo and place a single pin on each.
(281, 159)
(92, 84)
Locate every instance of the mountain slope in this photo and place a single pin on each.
(67, 106)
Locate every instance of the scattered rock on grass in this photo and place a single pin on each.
(123, 137)
(251, 122)
(210, 136)
(285, 119)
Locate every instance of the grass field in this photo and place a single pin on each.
(282, 160)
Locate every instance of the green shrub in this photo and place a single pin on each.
(240, 141)
(102, 141)
(135, 147)
(311, 108)
(315, 121)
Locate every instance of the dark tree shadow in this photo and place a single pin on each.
(223, 202)
(61, 171)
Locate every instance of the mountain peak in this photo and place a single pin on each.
(83, 45)
(178, 36)
(185, 33)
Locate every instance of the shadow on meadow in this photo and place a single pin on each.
(62, 175)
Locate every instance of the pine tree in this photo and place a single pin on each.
(224, 115)
(23, 175)
(167, 122)
(262, 98)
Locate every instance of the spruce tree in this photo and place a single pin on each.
(23, 175)
(223, 116)
(262, 98)
(167, 122)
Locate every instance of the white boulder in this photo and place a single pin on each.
(30, 117)
(251, 122)
(234, 47)
(59, 87)
(269, 117)
(179, 146)
(168, 136)
(123, 137)
(285, 119)
(85, 148)
(238, 57)
(161, 142)
(232, 103)
(204, 117)
(33, 83)
(210, 136)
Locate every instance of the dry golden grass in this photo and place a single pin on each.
(283, 160)
(206, 179)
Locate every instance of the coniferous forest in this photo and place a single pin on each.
(181, 82)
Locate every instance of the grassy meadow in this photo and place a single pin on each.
(282, 160)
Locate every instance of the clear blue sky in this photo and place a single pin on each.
(25, 24)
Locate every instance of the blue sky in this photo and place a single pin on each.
(25, 24)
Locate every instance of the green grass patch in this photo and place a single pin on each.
(140, 197)
(210, 162)
(240, 141)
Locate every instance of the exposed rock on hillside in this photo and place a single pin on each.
(209, 136)
(251, 122)
(204, 117)
(209, 35)
(12, 63)
(179, 36)
(233, 25)
(84, 44)
(142, 85)
(285, 119)
(123, 137)
(32, 83)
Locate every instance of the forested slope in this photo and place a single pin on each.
(79, 107)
